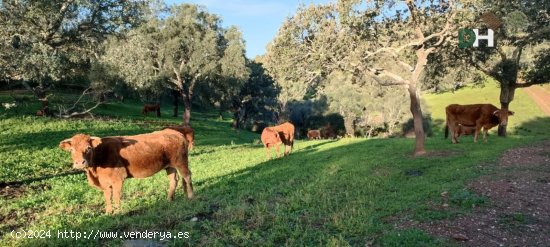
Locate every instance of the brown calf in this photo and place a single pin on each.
(465, 130)
(271, 138)
(313, 134)
(151, 108)
(480, 116)
(286, 133)
(108, 161)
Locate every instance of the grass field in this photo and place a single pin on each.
(346, 192)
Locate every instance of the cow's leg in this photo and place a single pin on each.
(173, 177)
(485, 135)
(183, 168)
(456, 134)
(117, 193)
(277, 150)
(452, 128)
(267, 152)
(107, 194)
(476, 134)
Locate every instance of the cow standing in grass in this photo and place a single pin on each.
(313, 134)
(286, 132)
(151, 108)
(108, 161)
(480, 116)
(270, 138)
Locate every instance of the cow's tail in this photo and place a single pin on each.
(446, 130)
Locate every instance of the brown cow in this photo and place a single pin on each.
(286, 132)
(187, 131)
(271, 138)
(108, 161)
(313, 134)
(151, 108)
(480, 116)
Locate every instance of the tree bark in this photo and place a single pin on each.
(349, 125)
(507, 93)
(187, 107)
(175, 103)
(235, 122)
(416, 111)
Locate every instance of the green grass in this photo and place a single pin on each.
(348, 192)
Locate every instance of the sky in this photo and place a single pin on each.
(258, 20)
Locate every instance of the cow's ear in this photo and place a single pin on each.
(65, 144)
(95, 141)
(510, 113)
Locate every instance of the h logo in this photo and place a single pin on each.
(470, 38)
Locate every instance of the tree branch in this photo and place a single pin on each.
(378, 73)
(85, 92)
(77, 114)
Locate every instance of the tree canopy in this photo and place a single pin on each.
(42, 40)
(185, 48)
(365, 44)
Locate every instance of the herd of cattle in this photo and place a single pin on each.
(108, 161)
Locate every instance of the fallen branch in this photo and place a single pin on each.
(83, 113)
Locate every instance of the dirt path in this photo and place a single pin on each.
(518, 209)
(540, 96)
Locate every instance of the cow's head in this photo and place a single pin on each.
(81, 147)
(502, 115)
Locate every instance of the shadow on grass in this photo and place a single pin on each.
(312, 196)
(38, 179)
(315, 196)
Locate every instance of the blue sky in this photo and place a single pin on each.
(258, 20)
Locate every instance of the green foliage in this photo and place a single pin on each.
(42, 40)
(181, 49)
(257, 99)
(540, 72)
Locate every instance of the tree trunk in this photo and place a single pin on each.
(348, 124)
(416, 111)
(507, 93)
(235, 122)
(187, 107)
(175, 103)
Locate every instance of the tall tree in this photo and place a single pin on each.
(376, 42)
(257, 99)
(307, 47)
(396, 49)
(524, 24)
(180, 49)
